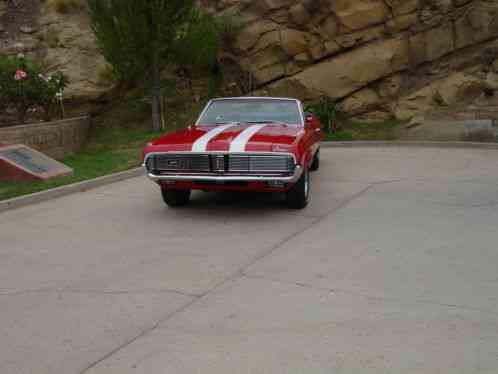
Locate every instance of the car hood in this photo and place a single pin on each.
(263, 137)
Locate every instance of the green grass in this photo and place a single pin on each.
(86, 165)
(355, 130)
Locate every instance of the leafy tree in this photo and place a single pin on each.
(141, 38)
(198, 44)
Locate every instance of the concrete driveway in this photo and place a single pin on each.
(393, 268)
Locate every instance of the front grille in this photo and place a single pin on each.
(261, 164)
(222, 163)
(172, 162)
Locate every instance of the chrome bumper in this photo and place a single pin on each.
(226, 178)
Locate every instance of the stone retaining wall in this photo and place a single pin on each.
(56, 139)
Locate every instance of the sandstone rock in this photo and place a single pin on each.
(270, 73)
(249, 36)
(27, 29)
(355, 15)
(415, 103)
(273, 55)
(477, 24)
(442, 5)
(366, 100)
(358, 38)
(431, 44)
(390, 87)
(267, 41)
(439, 42)
(289, 88)
(302, 58)
(374, 116)
(346, 73)
(299, 15)
(321, 50)
(24, 45)
(461, 2)
(400, 7)
(460, 87)
(328, 28)
(342, 47)
(402, 22)
(293, 42)
(417, 49)
(492, 81)
(415, 121)
(75, 54)
(265, 6)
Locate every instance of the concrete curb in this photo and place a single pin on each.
(113, 178)
(55, 193)
(355, 144)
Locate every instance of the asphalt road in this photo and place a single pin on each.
(393, 268)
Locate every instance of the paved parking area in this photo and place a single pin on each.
(393, 268)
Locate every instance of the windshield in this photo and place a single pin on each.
(252, 111)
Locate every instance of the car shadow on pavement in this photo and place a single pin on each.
(246, 200)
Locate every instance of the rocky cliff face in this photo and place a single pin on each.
(382, 57)
(378, 57)
(59, 41)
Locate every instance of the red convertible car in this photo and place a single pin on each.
(239, 144)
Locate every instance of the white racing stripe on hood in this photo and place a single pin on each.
(201, 144)
(240, 142)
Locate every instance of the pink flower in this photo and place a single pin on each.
(20, 75)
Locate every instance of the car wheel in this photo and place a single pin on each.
(175, 198)
(316, 162)
(298, 195)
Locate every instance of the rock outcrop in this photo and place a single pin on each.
(58, 41)
(375, 56)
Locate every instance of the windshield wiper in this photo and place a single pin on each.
(261, 122)
(227, 123)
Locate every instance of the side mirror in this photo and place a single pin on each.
(309, 120)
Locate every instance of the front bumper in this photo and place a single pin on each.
(222, 178)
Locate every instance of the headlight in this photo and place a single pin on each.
(149, 164)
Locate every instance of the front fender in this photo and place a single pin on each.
(304, 154)
(307, 158)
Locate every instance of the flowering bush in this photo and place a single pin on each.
(24, 88)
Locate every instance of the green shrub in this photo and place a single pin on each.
(23, 87)
(105, 75)
(328, 111)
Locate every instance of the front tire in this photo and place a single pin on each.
(298, 195)
(175, 198)
(316, 162)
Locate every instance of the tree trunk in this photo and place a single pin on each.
(157, 113)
